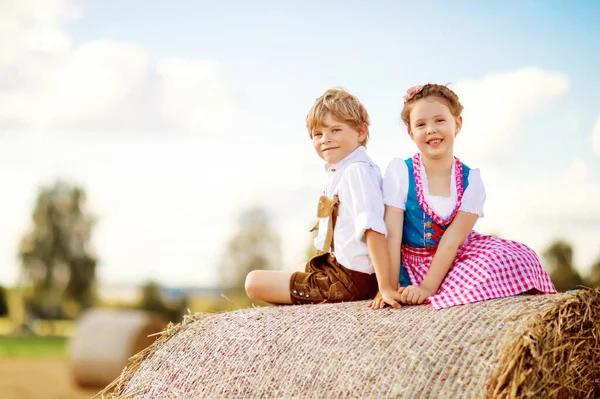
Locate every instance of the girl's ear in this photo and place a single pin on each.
(363, 132)
(459, 122)
(410, 133)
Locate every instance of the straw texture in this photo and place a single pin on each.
(348, 351)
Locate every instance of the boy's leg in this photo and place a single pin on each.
(270, 286)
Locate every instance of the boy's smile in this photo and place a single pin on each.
(335, 140)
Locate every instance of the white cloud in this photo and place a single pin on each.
(98, 76)
(166, 207)
(534, 209)
(497, 105)
(47, 83)
(538, 211)
(30, 31)
(87, 85)
(194, 96)
(596, 137)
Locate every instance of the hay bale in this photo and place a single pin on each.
(527, 346)
(105, 339)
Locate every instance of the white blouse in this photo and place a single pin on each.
(395, 190)
(357, 182)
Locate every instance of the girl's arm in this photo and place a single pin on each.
(454, 236)
(394, 221)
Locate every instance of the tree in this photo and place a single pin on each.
(153, 301)
(593, 279)
(3, 302)
(56, 255)
(254, 246)
(559, 260)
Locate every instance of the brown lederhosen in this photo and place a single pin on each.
(324, 279)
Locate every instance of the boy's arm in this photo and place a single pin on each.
(454, 236)
(364, 199)
(378, 250)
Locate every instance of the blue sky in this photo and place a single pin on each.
(203, 103)
(377, 50)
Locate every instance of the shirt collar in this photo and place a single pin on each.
(358, 155)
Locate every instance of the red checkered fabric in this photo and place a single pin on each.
(485, 267)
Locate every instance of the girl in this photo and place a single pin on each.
(432, 203)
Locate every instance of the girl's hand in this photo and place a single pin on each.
(389, 297)
(413, 294)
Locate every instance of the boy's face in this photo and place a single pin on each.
(335, 140)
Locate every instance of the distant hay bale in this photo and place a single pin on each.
(105, 339)
(542, 346)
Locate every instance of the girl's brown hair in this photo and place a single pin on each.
(441, 92)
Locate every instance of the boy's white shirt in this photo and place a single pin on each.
(358, 183)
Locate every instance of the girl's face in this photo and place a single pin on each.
(433, 128)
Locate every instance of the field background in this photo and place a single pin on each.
(37, 367)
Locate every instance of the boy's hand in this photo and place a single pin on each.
(413, 294)
(389, 297)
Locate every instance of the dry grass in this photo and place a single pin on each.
(35, 378)
(554, 355)
(135, 361)
(526, 346)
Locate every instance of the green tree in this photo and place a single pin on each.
(559, 263)
(3, 302)
(56, 255)
(254, 246)
(593, 279)
(153, 301)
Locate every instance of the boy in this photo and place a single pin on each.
(351, 242)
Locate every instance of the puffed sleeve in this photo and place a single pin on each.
(362, 187)
(395, 184)
(474, 196)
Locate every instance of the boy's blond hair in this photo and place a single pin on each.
(343, 106)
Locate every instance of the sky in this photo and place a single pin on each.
(177, 116)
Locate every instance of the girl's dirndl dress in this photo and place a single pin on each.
(485, 266)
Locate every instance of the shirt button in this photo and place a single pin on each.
(428, 225)
(428, 235)
(295, 292)
(428, 247)
(333, 170)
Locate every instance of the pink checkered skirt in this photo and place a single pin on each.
(485, 267)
